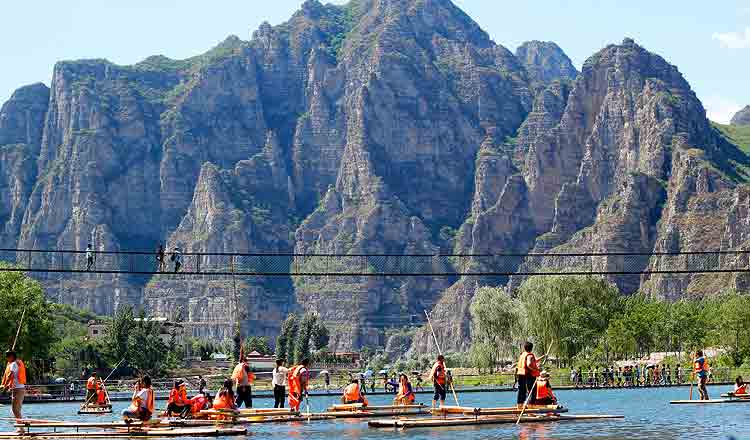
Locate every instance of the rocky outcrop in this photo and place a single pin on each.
(545, 63)
(742, 117)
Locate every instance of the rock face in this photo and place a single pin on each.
(742, 117)
(375, 127)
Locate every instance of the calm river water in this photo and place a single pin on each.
(647, 412)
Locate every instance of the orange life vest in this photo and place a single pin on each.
(294, 379)
(8, 376)
(352, 393)
(522, 368)
(178, 396)
(91, 383)
(742, 389)
(198, 403)
(543, 390)
(101, 397)
(697, 367)
(223, 401)
(239, 373)
(438, 374)
(405, 393)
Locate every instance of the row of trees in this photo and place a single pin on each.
(299, 336)
(585, 319)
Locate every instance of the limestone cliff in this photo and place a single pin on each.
(742, 117)
(376, 127)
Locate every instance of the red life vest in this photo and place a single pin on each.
(294, 379)
(8, 376)
(543, 390)
(742, 389)
(439, 375)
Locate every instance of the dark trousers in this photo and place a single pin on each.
(279, 395)
(244, 395)
(525, 383)
(180, 410)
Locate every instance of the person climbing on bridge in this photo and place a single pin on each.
(700, 369)
(298, 379)
(177, 258)
(89, 257)
(160, 258)
(14, 380)
(527, 370)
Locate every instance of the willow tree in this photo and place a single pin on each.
(571, 311)
(495, 320)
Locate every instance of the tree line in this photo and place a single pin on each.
(299, 336)
(585, 319)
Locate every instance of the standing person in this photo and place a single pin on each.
(177, 258)
(142, 406)
(527, 370)
(279, 383)
(89, 257)
(573, 377)
(327, 380)
(243, 380)
(679, 374)
(14, 380)
(298, 379)
(201, 384)
(91, 389)
(700, 369)
(439, 378)
(160, 258)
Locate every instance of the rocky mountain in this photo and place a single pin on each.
(379, 126)
(742, 117)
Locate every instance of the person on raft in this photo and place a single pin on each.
(740, 387)
(700, 369)
(279, 378)
(142, 406)
(243, 380)
(543, 393)
(14, 381)
(178, 403)
(101, 394)
(439, 378)
(298, 379)
(91, 389)
(353, 394)
(405, 394)
(225, 399)
(527, 370)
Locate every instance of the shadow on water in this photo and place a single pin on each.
(647, 412)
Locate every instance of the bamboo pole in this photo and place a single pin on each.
(531, 392)
(18, 332)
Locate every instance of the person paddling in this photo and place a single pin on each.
(527, 370)
(91, 389)
(14, 381)
(353, 394)
(700, 369)
(439, 377)
(243, 380)
(142, 406)
(298, 379)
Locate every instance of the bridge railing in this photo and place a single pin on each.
(247, 264)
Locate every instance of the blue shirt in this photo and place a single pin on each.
(701, 361)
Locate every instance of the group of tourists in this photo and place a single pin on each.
(96, 394)
(628, 376)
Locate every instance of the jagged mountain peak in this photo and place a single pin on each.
(742, 117)
(545, 62)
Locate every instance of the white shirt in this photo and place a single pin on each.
(144, 394)
(279, 376)
(14, 370)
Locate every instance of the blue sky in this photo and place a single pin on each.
(708, 41)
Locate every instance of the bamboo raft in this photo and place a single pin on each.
(469, 411)
(95, 409)
(710, 401)
(359, 411)
(483, 420)
(132, 432)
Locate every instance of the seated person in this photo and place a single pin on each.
(142, 406)
(740, 387)
(178, 402)
(101, 395)
(405, 394)
(198, 403)
(353, 393)
(543, 391)
(225, 398)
